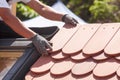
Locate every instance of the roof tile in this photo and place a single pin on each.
(113, 48)
(59, 40)
(101, 38)
(83, 68)
(106, 68)
(86, 52)
(62, 68)
(79, 40)
(42, 65)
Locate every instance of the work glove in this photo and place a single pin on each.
(41, 44)
(69, 20)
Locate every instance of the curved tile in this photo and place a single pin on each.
(59, 56)
(113, 48)
(88, 77)
(80, 38)
(107, 68)
(66, 77)
(61, 38)
(42, 65)
(83, 68)
(46, 76)
(79, 57)
(62, 68)
(101, 57)
(117, 57)
(92, 77)
(115, 77)
(29, 76)
(101, 38)
(118, 71)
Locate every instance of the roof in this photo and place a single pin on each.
(86, 52)
(40, 21)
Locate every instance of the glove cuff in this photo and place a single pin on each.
(63, 18)
(32, 38)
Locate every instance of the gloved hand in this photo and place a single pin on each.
(69, 20)
(41, 44)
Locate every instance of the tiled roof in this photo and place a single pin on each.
(86, 52)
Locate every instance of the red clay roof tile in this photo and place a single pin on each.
(101, 38)
(62, 68)
(45, 76)
(83, 68)
(113, 48)
(61, 38)
(106, 68)
(79, 57)
(100, 57)
(87, 52)
(59, 56)
(42, 65)
(78, 41)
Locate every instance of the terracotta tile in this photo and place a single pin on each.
(107, 68)
(87, 77)
(83, 68)
(79, 57)
(45, 76)
(80, 38)
(42, 65)
(84, 56)
(101, 38)
(66, 77)
(113, 48)
(113, 77)
(101, 57)
(117, 57)
(63, 35)
(29, 76)
(118, 71)
(62, 68)
(59, 56)
(92, 77)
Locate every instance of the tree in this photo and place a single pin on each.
(88, 10)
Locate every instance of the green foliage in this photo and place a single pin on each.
(24, 12)
(103, 11)
(88, 10)
(80, 8)
(96, 10)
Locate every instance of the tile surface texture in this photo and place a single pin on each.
(86, 52)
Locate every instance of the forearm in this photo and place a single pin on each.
(17, 25)
(45, 10)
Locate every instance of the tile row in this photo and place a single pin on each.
(86, 52)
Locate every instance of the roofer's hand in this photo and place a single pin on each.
(69, 20)
(41, 44)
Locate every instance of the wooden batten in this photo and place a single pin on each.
(13, 54)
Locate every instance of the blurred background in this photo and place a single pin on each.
(91, 11)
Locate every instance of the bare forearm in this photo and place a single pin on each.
(17, 26)
(45, 10)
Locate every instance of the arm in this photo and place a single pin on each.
(51, 14)
(15, 23)
(45, 10)
(39, 42)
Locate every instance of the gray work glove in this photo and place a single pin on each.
(69, 20)
(41, 44)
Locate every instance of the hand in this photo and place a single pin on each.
(41, 44)
(69, 20)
